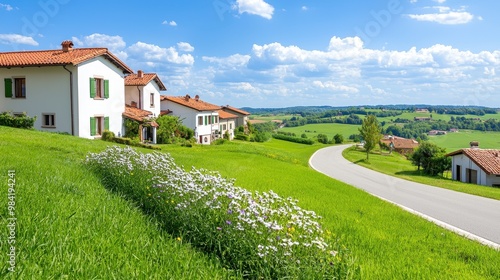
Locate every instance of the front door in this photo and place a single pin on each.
(471, 176)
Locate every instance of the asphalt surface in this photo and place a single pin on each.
(472, 216)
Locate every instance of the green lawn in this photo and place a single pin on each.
(397, 165)
(70, 225)
(330, 129)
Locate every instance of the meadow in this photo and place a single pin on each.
(70, 225)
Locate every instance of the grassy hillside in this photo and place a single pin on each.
(461, 139)
(70, 226)
(330, 129)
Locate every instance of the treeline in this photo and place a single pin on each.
(350, 116)
(420, 129)
(477, 111)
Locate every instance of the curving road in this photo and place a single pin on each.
(475, 217)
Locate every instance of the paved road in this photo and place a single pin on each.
(472, 216)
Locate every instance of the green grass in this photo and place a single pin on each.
(388, 242)
(330, 129)
(397, 165)
(69, 226)
(461, 139)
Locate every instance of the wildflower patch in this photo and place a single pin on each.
(260, 234)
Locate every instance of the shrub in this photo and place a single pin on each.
(260, 137)
(262, 235)
(107, 135)
(338, 138)
(241, 136)
(22, 121)
(303, 135)
(293, 139)
(322, 138)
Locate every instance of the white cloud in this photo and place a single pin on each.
(11, 39)
(334, 87)
(255, 7)
(7, 7)
(113, 43)
(304, 8)
(154, 53)
(171, 23)
(439, 1)
(185, 47)
(489, 71)
(445, 15)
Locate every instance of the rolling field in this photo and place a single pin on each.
(461, 139)
(330, 129)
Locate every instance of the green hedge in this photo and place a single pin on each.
(293, 139)
(23, 121)
(128, 141)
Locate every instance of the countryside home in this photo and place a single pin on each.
(195, 114)
(242, 115)
(399, 144)
(476, 166)
(78, 91)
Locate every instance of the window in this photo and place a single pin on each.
(15, 87)
(49, 120)
(223, 127)
(200, 120)
(98, 124)
(20, 87)
(215, 119)
(152, 99)
(99, 88)
(230, 126)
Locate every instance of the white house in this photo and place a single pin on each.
(79, 91)
(196, 114)
(142, 99)
(476, 166)
(242, 115)
(227, 122)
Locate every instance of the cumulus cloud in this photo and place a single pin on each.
(101, 40)
(11, 39)
(154, 53)
(185, 47)
(349, 71)
(445, 15)
(255, 7)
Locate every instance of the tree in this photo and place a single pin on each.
(170, 128)
(338, 138)
(431, 158)
(370, 131)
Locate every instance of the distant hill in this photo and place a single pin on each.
(319, 109)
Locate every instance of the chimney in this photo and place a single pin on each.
(140, 74)
(197, 97)
(474, 144)
(133, 104)
(187, 97)
(67, 46)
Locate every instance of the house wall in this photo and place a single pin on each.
(111, 107)
(230, 125)
(466, 163)
(493, 180)
(47, 91)
(189, 118)
(132, 94)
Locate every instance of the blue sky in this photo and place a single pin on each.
(270, 53)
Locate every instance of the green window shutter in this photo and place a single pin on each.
(92, 88)
(92, 126)
(106, 123)
(8, 87)
(106, 88)
(206, 120)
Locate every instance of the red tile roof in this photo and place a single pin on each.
(193, 103)
(58, 57)
(487, 159)
(136, 113)
(239, 111)
(226, 115)
(400, 142)
(136, 80)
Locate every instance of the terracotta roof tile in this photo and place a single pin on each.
(136, 113)
(57, 57)
(401, 143)
(487, 159)
(239, 111)
(226, 115)
(193, 103)
(135, 80)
